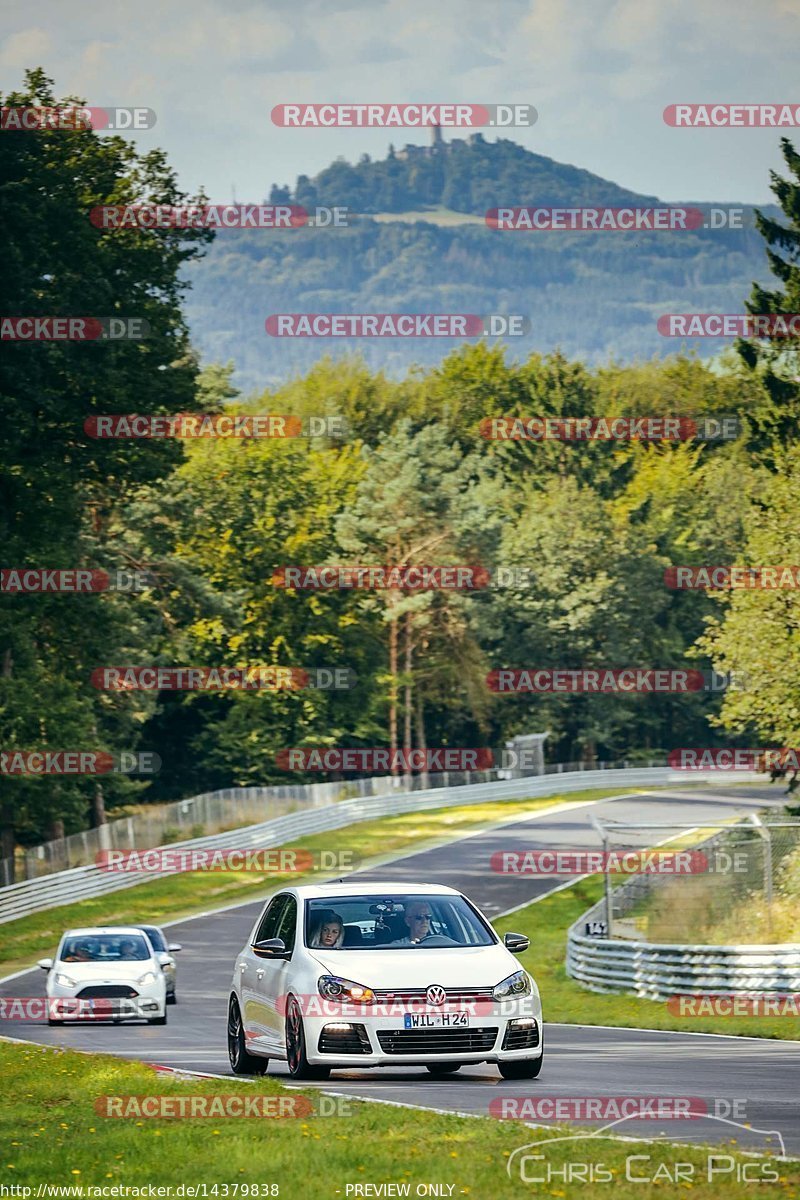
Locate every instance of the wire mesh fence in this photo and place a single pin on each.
(727, 884)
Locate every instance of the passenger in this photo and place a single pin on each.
(329, 934)
(127, 950)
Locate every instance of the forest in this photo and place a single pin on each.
(401, 474)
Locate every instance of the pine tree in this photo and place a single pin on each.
(776, 421)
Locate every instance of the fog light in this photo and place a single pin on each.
(339, 1027)
(523, 1023)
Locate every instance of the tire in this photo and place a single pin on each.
(155, 1020)
(525, 1068)
(172, 998)
(242, 1062)
(296, 1059)
(444, 1068)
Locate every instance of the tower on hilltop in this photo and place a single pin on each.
(437, 141)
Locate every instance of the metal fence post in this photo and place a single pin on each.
(766, 838)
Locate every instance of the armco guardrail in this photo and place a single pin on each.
(659, 971)
(65, 887)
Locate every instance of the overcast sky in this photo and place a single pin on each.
(599, 72)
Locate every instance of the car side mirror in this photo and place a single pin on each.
(164, 959)
(517, 943)
(271, 948)
(174, 947)
(45, 963)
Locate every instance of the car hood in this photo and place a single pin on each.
(100, 970)
(466, 967)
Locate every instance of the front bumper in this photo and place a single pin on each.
(107, 1002)
(358, 1036)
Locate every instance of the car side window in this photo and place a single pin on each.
(271, 919)
(287, 929)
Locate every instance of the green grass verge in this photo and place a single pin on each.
(52, 1134)
(28, 938)
(546, 923)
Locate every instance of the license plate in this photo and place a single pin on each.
(436, 1020)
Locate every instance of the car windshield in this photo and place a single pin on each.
(157, 939)
(394, 922)
(105, 947)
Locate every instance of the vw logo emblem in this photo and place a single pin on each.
(435, 994)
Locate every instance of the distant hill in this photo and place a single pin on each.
(468, 176)
(422, 246)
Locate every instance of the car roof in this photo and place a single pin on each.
(116, 930)
(321, 891)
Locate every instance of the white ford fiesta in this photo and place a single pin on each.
(389, 974)
(108, 973)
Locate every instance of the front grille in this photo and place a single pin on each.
(107, 991)
(455, 995)
(437, 1041)
(521, 1037)
(344, 1041)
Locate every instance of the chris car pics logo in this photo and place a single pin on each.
(594, 1157)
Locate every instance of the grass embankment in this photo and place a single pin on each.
(723, 910)
(546, 923)
(22, 941)
(52, 1134)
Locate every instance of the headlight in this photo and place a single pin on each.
(147, 978)
(518, 984)
(335, 988)
(65, 981)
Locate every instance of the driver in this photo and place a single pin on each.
(417, 918)
(127, 949)
(79, 952)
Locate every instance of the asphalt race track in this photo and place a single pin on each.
(579, 1060)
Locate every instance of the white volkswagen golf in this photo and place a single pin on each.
(391, 974)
